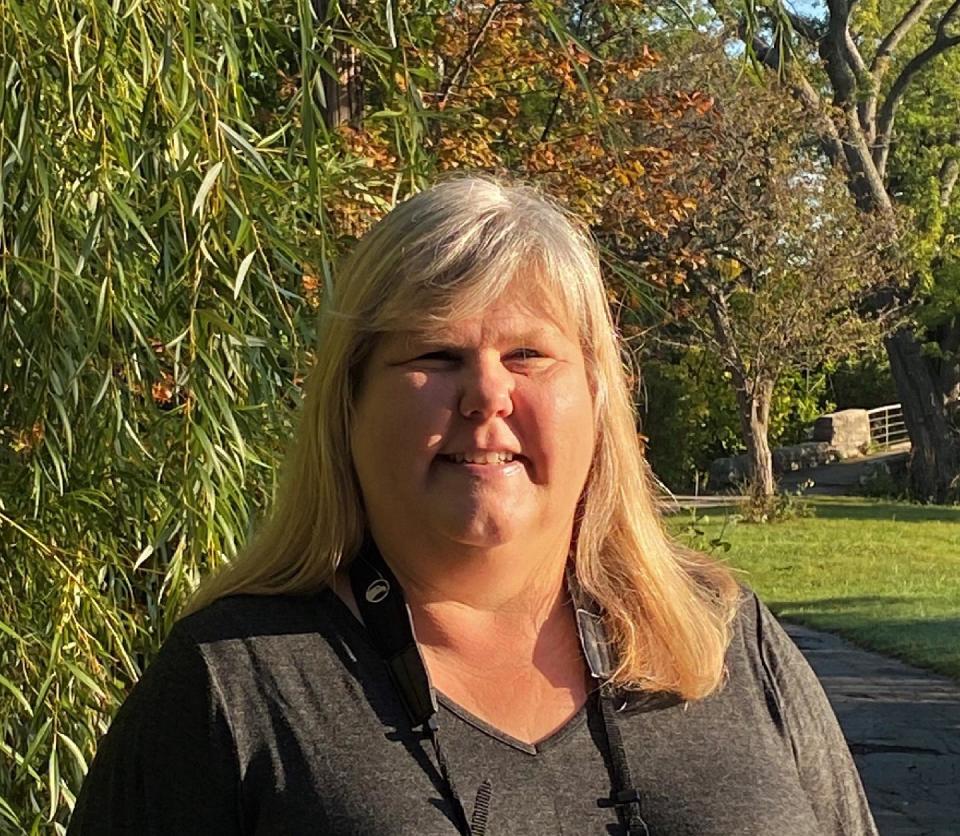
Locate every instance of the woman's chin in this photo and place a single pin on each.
(486, 533)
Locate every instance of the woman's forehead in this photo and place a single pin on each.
(508, 318)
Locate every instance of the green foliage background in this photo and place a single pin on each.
(162, 200)
(689, 413)
(172, 206)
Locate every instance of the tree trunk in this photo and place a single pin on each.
(753, 397)
(753, 400)
(342, 91)
(935, 447)
(948, 337)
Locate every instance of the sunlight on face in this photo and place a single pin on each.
(479, 435)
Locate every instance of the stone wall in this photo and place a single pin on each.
(836, 436)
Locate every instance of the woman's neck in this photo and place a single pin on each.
(482, 608)
(519, 633)
(498, 635)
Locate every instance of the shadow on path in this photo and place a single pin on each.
(902, 725)
(932, 643)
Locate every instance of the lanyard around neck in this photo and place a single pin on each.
(387, 617)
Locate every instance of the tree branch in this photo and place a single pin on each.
(724, 330)
(949, 172)
(827, 131)
(895, 35)
(881, 63)
(798, 85)
(463, 67)
(555, 107)
(806, 28)
(828, 134)
(854, 56)
(866, 181)
(940, 44)
(840, 53)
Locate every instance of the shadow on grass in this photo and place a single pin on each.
(853, 509)
(836, 508)
(930, 643)
(835, 606)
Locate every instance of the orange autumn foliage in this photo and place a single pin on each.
(502, 92)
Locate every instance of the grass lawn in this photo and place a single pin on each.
(886, 575)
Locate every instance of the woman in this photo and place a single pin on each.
(464, 615)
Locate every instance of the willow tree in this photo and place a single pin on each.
(169, 196)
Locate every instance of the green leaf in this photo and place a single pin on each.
(208, 180)
(87, 680)
(17, 693)
(6, 628)
(39, 739)
(7, 812)
(239, 142)
(74, 750)
(130, 216)
(391, 33)
(242, 273)
(53, 781)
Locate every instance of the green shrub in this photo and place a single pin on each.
(690, 414)
(779, 507)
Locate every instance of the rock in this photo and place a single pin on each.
(799, 456)
(729, 470)
(846, 431)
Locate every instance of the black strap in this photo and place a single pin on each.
(481, 808)
(388, 620)
(390, 625)
(625, 797)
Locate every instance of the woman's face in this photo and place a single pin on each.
(478, 435)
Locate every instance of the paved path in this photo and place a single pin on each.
(836, 479)
(903, 727)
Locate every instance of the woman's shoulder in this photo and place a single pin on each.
(246, 616)
(757, 631)
(242, 630)
(762, 658)
(756, 635)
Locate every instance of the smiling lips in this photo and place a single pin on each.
(499, 457)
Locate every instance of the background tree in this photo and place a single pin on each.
(857, 69)
(780, 257)
(690, 412)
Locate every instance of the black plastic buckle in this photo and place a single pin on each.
(620, 799)
(635, 825)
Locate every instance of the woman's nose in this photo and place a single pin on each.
(487, 390)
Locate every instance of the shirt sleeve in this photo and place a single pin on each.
(168, 763)
(827, 770)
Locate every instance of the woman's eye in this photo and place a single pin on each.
(525, 354)
(442, 356)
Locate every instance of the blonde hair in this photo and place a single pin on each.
(449, 251)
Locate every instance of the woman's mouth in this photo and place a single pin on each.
(500, 457)
(497, 463)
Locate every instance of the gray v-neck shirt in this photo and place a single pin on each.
(274, 715)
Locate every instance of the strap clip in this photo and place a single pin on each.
(620, 799)
(629, 800)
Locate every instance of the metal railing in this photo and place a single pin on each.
(887, 426)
